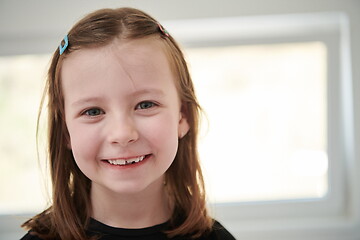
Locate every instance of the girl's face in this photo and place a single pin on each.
(123, 114)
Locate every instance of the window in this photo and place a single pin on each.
(21, 85)
(284, 176)
(266, 113)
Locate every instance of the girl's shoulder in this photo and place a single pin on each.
(30, 236)
(219, 232)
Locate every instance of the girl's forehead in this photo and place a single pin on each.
(137, 63)
(137, 52)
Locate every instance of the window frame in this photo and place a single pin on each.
(333, 216)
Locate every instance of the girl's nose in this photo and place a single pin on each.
(122, 131)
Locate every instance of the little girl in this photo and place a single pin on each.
(123, 125)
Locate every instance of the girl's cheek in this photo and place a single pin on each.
(159, 127)
(83, 138)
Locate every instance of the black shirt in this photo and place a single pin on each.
(150, 233)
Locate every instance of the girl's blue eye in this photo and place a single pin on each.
(93, 112)
(145, 105)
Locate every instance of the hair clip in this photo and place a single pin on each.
(163, 30)
(66, 43)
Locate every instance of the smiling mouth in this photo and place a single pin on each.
(124, 162)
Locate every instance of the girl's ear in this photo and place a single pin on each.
(68, 141)
(183, 124)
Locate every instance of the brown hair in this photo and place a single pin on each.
(70, 212)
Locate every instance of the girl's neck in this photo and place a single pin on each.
(139, 210)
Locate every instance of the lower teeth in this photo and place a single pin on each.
(126, 163)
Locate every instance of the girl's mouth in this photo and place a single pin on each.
(128, 161)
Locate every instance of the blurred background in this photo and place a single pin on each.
(279, 84)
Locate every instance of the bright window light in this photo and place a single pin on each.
(21, 85)
(264, 136)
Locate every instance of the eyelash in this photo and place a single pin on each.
(87, 112)
(140, 106)
(152, 104)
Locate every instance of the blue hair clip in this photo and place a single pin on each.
(163, 30)
(66, 43)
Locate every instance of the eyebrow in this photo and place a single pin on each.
(148, 91)
(86, 100)
(154, 91)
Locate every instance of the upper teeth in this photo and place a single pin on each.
(126, 161)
